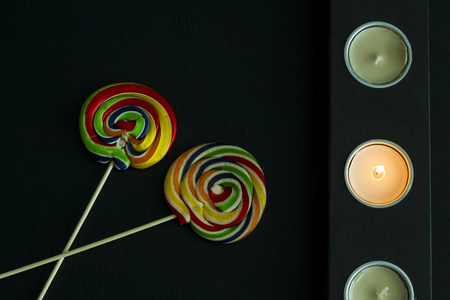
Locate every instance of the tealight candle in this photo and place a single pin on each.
(378, 280)
(378, 54)
(378, 173)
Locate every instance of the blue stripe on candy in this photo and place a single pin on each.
(237, 234)
(105, 159)
(120, 164)
(210, 162)
(219, 177)
(133, 152)
(109, 139)
(197, 153)
(115, 114)
(101, 158)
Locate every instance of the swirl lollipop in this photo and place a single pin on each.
(124, 124)
(127, 123)
(218, 188)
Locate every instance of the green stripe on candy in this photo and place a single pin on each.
(223, 150)
(241, 175)
(106, 151)
(98, 122)
(134, 116)
(216, 235)
(96, 148)
(233, 197)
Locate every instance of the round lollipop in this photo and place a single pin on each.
(127, 123)
(123, 124)
(218, 188)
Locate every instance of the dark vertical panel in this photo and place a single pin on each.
(440, 131)
(399, 234)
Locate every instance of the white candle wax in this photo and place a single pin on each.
(378, 54)
(377, 282)
(378, 173)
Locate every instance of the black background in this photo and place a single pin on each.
(250, 73)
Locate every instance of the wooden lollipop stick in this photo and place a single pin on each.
(87, 247)
(77, 228)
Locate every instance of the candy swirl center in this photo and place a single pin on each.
(219, 189)
(129, 123)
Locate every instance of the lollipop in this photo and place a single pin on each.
(219, 189)
(124, 124)
(128, 123)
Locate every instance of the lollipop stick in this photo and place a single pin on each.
(77, 228)
(87, 247)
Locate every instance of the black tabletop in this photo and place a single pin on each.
(249, 73)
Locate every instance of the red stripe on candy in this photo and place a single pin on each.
(220, 197)
(250, 165)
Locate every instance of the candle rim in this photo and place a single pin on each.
(394, 30)
(380, 263)
(397, 149)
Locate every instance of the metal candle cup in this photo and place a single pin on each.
(378, 280)
(378, 54)
(378, 173)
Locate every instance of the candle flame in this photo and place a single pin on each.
(378, 172)
(380, 169)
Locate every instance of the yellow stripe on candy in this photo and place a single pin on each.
(171, 187)
(148, 139)
(205, 211)
(195, 206)
(165, 127)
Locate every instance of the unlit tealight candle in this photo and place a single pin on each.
(378, 281)
(378, 54)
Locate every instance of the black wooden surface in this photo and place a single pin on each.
(250, 73)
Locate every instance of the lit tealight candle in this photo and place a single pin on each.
(378, 54)
(378, 173)
(378, 280)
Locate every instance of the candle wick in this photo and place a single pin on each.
(381, 294)
(377, 60)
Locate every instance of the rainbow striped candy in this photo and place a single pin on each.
(129, 123)
(220, 189)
